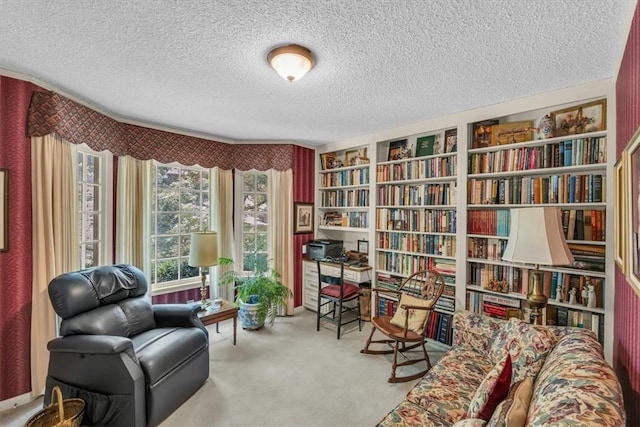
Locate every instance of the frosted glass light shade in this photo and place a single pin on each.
(291, 62)
(536, 237)
(204, 249)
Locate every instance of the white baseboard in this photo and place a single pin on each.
(14, 402)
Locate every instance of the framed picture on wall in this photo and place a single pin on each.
(620, 216)
(632, 182)
(302, 218)
(4, 209)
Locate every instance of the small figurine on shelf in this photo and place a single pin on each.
(572, 296)
(585, 293)
(559, 293)
(591, 296)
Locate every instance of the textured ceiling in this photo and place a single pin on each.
(200, 66)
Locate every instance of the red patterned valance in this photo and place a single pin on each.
(50, 112)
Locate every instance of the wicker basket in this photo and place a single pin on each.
(54, 414)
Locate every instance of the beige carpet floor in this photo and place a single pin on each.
(285, 375)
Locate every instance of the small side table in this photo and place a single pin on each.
(226, 311)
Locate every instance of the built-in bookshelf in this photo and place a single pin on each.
(344, 194)
(569, 172)
(416, 218)
(449, 209)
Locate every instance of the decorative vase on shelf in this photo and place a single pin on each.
(547, 127)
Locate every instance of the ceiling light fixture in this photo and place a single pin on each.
(291, 62)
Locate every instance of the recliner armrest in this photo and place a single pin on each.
(93, 344)
(181, 315)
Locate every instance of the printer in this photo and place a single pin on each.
(324, 248)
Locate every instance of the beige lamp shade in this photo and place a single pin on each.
(291, 62)
(536, 237)
(204, 249)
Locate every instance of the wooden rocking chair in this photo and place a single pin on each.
(417, 296)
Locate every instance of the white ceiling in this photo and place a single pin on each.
(199, 66)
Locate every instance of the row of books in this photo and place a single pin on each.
(565, 188)
(493, 305)
(345, 198)
(436, 167)
(345, 177)
(564, 316)
(419, 243)
(580, 151)
(498, 278)
(405, 264)
(423, 220)
(584, 224)
(387, 281)
(346, 219)
(489, 222)
(486, 248)
(560, 286)
(442, 194)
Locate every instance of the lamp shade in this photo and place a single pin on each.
(291, 62)
(204, 249)
(536, 237)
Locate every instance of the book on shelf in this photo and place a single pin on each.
(451, 140)
(499, 300)
(425, 145)
(398, 150)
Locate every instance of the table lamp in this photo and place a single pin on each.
(203, 254)
(536, 237)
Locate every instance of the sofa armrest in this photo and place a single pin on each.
(92, 344)
(178, 315)
(475, 331)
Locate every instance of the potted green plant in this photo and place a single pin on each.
(258, 294)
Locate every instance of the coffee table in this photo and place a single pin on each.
(214, 315)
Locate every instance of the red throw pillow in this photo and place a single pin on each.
(493, 389)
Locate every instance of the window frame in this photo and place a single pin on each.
(160, 288)
(238, 216)
(106, 232)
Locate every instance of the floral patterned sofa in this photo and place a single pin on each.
(510, 373)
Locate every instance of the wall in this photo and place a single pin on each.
(626, 345)
(303, 191)
(15, 265)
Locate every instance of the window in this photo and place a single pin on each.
(94, 177)
(253, 213)
(180, 205)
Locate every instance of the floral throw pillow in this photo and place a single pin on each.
(493, 389)
(416, 317)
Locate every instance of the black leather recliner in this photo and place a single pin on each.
(132, 362)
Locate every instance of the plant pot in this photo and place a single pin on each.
(248, 314)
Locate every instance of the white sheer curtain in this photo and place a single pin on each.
(281, 227)
(221, 221)
(54, 239)
(133, 215)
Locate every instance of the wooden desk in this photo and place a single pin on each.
(226, 311)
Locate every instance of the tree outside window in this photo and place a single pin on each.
(180, 206)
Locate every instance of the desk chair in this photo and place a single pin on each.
(416, 296)
(332, 290)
